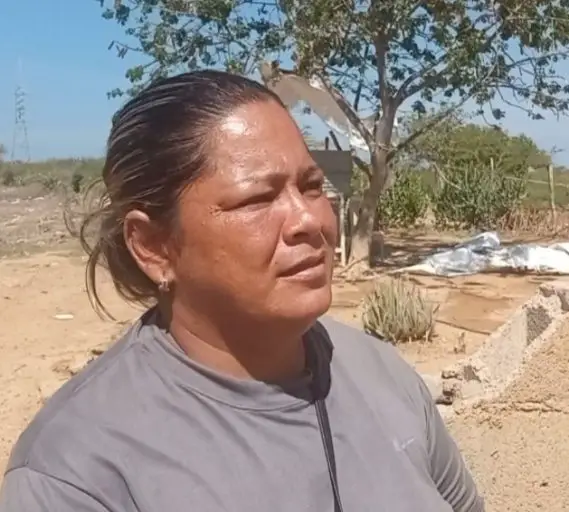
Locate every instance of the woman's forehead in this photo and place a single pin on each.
(260, 139)
(235, 125)
(264, 124)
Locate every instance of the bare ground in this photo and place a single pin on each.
(517, 447)
(470, 309)
(49, 329)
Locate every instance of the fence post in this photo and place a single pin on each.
(551, 182)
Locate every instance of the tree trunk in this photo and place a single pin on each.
(363, 231)
(362, 235)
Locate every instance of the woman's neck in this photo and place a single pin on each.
(250, 352)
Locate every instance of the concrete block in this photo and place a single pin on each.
(501, 358)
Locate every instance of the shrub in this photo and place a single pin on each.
(9, 178)
(472, 196)
(50, 183)
(398, 312)
(405, 202)
(77, 182)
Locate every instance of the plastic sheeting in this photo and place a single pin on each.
(485, 253)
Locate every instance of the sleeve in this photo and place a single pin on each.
(448, 469)
(25, 490)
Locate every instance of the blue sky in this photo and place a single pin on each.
(68, 69)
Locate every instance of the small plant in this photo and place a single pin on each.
(77, 182)
(398, 312)
(50, 183)
(9, 178)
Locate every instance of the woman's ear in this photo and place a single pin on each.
(146, 243)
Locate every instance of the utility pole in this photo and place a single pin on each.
(20, 141)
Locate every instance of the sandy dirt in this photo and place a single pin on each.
(518, 445)
(517, 448)
(49, 330)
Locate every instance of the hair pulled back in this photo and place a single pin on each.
(158, 144)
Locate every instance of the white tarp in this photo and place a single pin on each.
(485, 253)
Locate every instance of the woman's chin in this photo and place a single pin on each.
(307, 305)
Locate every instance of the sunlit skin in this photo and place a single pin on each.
(252, 264)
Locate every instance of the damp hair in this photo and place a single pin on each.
(158, 145)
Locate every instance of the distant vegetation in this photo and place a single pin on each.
(459, 174)
(71, 173)
(467, 175)
(67, 170)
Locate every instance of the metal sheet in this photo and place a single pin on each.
(337, 166)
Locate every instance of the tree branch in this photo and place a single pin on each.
(362, 166)
(380, 45)
(405, 91)
(360, 84)
(402, 93)
(349, 112)
(437, 119)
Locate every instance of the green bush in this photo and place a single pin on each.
(405, 202)
(474, 196)
(397, 311)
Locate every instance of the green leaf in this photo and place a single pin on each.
(391, 55)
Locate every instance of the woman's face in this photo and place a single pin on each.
(257, 232)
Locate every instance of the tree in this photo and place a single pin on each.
(455, 141)
(375, 56)
(480, 171)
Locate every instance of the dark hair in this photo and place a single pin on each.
(159, 143)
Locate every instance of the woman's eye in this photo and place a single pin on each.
(315, 187)
(258, 200)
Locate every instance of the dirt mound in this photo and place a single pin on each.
(517, 445)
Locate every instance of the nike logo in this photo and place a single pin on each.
(401, 446)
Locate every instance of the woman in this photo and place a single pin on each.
(229, 395)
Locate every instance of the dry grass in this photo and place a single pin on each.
(539, 222)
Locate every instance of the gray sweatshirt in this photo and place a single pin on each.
(145, 429)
